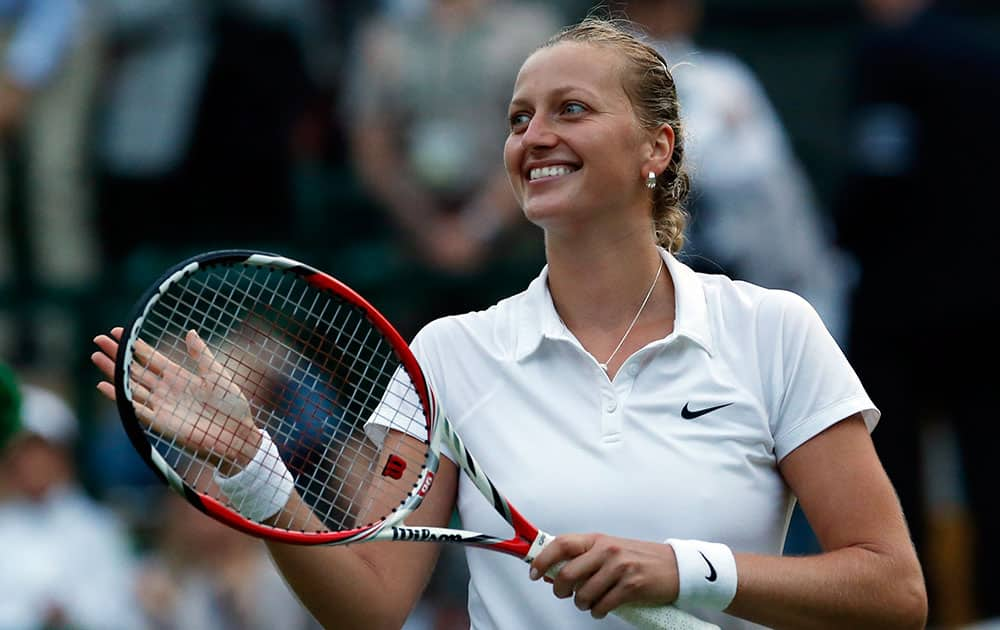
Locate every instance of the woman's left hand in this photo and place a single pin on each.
(603, 572)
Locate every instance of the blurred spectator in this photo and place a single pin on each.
(67, 560)
(428, 91)
(197, 121)
(46, 83)
(159, 54)
(754, 214)
(918, 210)
(50, 58)
(203, 575)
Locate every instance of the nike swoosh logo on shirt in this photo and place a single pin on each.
(688, 414)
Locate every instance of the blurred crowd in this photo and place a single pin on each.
(840, 150)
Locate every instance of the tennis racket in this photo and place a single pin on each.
(231, 350)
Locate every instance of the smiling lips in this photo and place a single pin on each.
(549, 171)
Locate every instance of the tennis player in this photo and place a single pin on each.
(679, 415)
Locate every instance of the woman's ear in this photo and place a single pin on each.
(661, 148)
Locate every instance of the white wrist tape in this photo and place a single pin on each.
(263, 487)
(706, 574)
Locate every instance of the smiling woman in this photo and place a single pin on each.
(591, 101)
(720, 404)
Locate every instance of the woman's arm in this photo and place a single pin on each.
(369, 586)
(372, 585)
(868, 575)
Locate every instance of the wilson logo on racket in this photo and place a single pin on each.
(423, 535)
(394, 467)
(426, 485)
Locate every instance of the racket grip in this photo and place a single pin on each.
(661, 618)
(647, 617)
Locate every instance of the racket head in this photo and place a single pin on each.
(316, 365)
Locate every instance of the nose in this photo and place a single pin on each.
(539, 133)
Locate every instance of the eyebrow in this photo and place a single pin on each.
(557, 92)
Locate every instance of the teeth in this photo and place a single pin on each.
(549, 171)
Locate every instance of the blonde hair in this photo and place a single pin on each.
(650, 87)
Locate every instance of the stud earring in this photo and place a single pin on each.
(651, 180)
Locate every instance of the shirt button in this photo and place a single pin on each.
(633, 369)
(611, 406)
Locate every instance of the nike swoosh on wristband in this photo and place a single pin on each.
(712, 575)
(688, 414)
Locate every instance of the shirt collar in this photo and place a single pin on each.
(537, 318)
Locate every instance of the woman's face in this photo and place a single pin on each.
(575, 149)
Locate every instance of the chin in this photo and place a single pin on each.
(539, 215)
(540, 209)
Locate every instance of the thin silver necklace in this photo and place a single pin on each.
(645, 300)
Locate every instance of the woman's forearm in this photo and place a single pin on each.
(854, 587)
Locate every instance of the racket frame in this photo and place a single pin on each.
(440, 431)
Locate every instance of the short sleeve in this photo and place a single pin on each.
(812, 385)
(425, 347)
(400, 407)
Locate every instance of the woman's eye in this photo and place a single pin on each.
(518, 121)
(574, 108)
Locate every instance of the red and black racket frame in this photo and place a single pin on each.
(439, 429)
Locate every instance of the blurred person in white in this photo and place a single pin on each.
(428, 89)
(67, 559)
(754, 211)
(202, 575)
(49, 59)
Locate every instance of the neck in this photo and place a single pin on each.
(603, 289)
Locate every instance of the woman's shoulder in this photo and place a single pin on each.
(766, 308)
(493, 328)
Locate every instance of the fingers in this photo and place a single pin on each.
(199, 351)
(560, 550)
(108, 345)
(142, 395)
(104, 362)
(599, 583)
(148, 417)
(154, 361)
(144, 354)
(107, 390)
(552, 561)
(144, 379)
(603, 572)
(211, 371)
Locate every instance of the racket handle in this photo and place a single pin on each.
(648, 617)
(661, 618)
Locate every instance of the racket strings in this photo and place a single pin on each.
(307, 365)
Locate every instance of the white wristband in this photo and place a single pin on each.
(263, 487)
(706, 574)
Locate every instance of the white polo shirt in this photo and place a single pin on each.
(640, 456)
